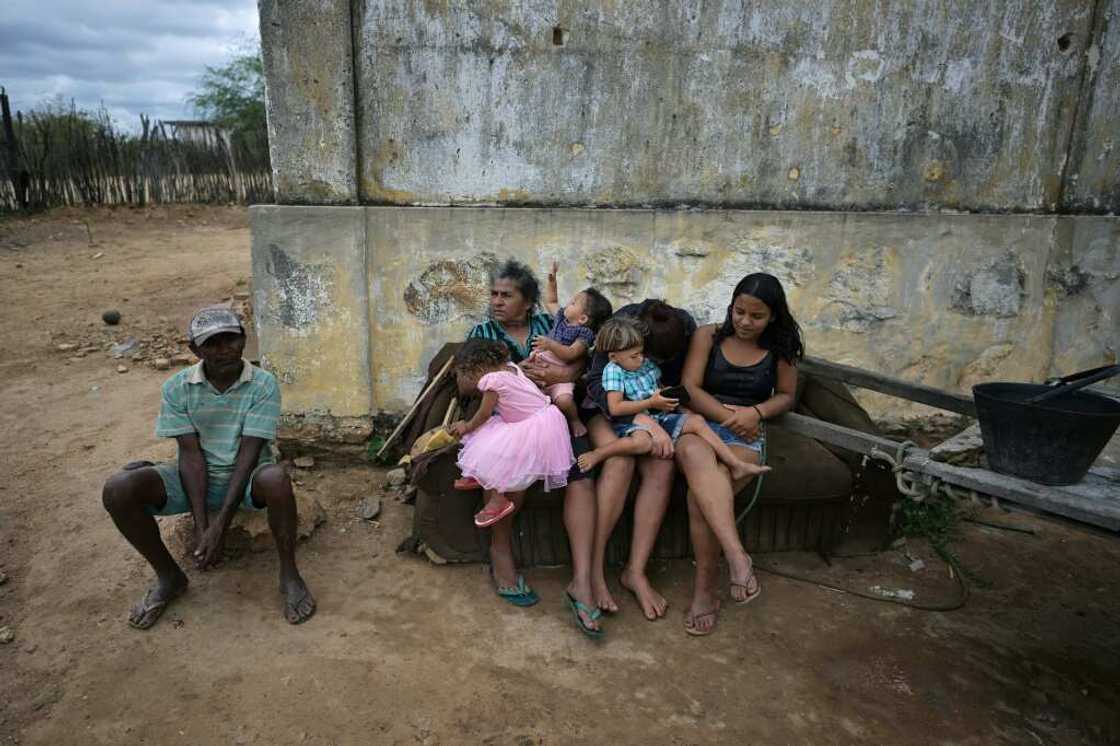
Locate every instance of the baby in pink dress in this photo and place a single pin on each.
(516, 438)
(572, 336)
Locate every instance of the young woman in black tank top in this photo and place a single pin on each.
(738, 374)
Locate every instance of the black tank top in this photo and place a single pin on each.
(740, 384)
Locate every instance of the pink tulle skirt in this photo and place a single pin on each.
(510, 456)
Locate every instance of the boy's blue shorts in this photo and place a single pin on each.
(671, 422)
(732, 439)
(178, 502)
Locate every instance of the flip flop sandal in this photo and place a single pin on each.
(746, 589)
(484, 518)
(689, 622)
(594, 614)
(151, 611)
(518, 595)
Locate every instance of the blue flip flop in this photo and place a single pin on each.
(519, 594)
(594, 614)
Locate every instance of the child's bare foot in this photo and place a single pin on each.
(744, 469)
(602, 595)
(578, 428)
(589, 460)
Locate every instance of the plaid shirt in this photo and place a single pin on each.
(635, 385)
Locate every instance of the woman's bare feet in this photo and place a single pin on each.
(602, 596)
(587, 598)
(744, 585)
(743, 469)
(589, 460)
(653, 603)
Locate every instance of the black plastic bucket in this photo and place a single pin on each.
(1052, 442)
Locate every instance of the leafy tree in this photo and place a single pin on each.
(232, 95)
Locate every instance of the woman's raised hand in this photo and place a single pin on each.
(743, 421)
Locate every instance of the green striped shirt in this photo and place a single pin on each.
(251, 406)
(539, 325)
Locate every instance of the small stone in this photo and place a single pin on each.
(124, 348)
(241, 295)
(304, 462)
(122, 368)
(3, 577)
(369, 508)
(112, 317)
(161, 363)
(917, 565)
(67, 347)
(182, 358)
(396, 477)
(98, 255)
(6, 635)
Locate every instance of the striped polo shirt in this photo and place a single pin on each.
(539, 325)
(251, 406)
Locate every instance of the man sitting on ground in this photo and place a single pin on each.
(223, 413)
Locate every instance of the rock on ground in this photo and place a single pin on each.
(249, 530)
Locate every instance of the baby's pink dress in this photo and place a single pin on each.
(525, 441)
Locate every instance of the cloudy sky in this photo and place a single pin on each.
(136, 56)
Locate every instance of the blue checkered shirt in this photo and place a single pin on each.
(635, 385)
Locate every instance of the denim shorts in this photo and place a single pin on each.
(178, 502)
(732, 439)
(671, 422)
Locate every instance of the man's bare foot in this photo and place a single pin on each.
(589, 460)
(744, 585)
(156, 600)
(602, 595)
(653, 603)
(744, 469)
(299, 604)
(578, 428)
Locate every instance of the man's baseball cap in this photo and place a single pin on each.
(213, 320)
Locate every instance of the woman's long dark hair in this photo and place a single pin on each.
(783, 334)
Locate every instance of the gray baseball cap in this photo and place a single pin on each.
(213, 320)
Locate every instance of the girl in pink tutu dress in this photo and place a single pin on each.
(516, 438)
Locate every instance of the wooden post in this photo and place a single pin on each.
(11, 155)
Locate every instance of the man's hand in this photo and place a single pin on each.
(743, 421)
(209, 550)
(662, 402)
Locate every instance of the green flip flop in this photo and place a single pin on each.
(594, 614)
(520, 594)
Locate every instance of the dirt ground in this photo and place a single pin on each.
(402, 651)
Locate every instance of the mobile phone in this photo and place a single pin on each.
(680, 393)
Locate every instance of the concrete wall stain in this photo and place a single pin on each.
(303, 291)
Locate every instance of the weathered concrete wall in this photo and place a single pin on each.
(311, 297)
(947, 300)
(832, 104)
(309, 72)
(1094, 181)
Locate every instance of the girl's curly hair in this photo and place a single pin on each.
(481, 354)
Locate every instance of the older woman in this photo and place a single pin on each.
(738, 374)
(515, 321)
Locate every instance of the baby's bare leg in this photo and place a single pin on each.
(566, 403)
(696, 425)
(637, 443)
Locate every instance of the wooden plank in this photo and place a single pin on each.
(1095, 500)
(892, 386)
(837, 435)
